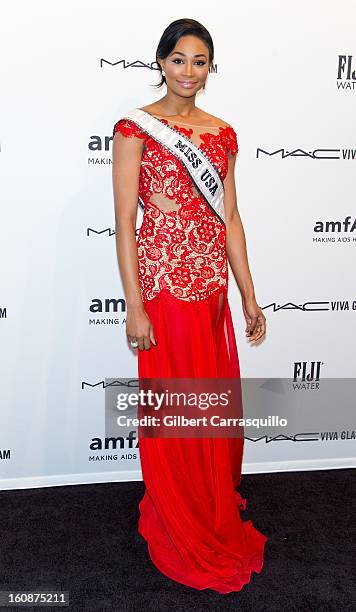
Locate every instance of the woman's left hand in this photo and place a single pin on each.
(255, 319)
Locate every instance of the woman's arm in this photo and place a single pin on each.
(237, 255)
(126, 163)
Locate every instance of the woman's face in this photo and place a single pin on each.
(187, 66)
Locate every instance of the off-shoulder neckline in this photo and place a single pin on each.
(214, 127)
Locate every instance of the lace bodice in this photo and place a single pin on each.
(181, 243)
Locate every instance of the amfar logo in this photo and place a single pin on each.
(98, 143)
(122, 63)
(307, 371)
(345, 154)
(107, 305)
(131, 441)
(346, 77)
(336, 226)
(101, 145)
(111, 307)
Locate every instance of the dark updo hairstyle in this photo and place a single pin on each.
(171, 35)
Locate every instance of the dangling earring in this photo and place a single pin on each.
(163, 73)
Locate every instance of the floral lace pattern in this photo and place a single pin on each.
(182, 250)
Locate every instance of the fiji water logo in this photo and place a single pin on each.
(346, 74)
(306, 372)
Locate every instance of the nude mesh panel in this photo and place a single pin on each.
(167, 204)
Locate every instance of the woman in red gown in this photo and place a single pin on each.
(175, 280)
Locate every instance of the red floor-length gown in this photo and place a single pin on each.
(190, 512)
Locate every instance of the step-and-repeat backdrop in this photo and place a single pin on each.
(285, 77)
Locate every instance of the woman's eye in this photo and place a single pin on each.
(199, 62)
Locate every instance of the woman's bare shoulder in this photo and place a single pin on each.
(216, 120)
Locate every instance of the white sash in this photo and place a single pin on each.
(200, 168)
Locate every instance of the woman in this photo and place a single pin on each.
(179, 162)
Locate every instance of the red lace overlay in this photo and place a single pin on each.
(181, 243)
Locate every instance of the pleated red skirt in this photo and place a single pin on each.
(190, 512)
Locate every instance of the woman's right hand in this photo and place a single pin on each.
(139, 328)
